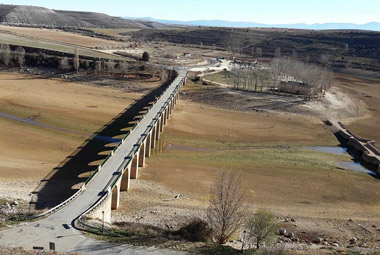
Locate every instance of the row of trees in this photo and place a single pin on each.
(286, 74)
(17, 58)
(292, 72)
(250, 79)
(10, 58)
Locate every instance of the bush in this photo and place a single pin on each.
(261, 227)
(196, 231)
(145, 56)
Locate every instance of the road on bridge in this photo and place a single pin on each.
(58, 227)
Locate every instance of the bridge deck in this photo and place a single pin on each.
(58, 226)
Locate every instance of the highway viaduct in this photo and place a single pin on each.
(101, 192)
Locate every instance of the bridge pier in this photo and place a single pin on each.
(115, 201)
(148, 144)
(153, 137)
(162, 123)
(171, 106)
(126, 179)
(135, 166)
(158, 127)
(142, 154)
(103, 212)
(165, 115)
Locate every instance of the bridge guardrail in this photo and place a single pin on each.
(109, 155)
(57, 207)
(139, 141)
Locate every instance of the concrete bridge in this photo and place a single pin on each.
(365, 148)
(101, 192)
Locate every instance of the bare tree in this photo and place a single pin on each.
(19, 56)
(123, 67)
(226, 212)
(259, 52)
(98, 66)
(76, 60)
(163, 74)
(294, 54)
(289, 72)
(325, 59)
(64, 64)
(5, 54)
(110, 66)
(277, 52)
(261, 227)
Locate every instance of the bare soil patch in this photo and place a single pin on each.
(267, 147)
(61, 36)
(30, 152)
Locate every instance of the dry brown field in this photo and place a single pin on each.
(61, 36)
(269, 150)
(73, 112)
(367, 90)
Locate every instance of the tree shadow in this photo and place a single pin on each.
(67, 178)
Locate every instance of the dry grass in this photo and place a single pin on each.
(116, 32)
(368, 91)
(269, 150)
(60, 36)
(29, 152)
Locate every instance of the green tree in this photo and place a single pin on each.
(261, 227)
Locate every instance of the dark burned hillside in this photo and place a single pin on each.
(340, 48)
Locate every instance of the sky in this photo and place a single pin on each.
(260, 11)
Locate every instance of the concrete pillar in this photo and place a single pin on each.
(167, 112)
(162, 123)
(171, 106)
(115, 201)
(153, 137)
(135, 166)
(165, 115)
(158, 125)
(126, 179)
(148, 146)
(142, 155)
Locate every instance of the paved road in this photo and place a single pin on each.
(58, 227)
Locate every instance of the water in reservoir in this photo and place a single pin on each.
(332, 150)
(349, 165)
(356, 166)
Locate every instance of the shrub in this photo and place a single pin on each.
(145, 56)
(195, 231)
(261, 227)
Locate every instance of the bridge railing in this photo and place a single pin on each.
(56, 208)
(115, 178)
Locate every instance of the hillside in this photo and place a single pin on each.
(339, 48)
(40, 16)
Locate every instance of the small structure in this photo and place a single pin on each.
(289, 84)
(187, 54)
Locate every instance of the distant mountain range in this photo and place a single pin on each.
(374, 26)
